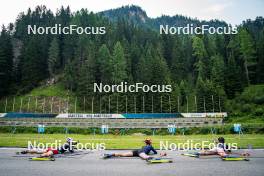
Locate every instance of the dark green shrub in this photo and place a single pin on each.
(259, 100)
(23, 129)
(259, 112)
(260, 130)
(205, 130)
(246, 108)
(5, 129)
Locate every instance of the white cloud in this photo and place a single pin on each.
(218, 8)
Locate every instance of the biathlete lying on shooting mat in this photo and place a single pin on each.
(142, 153)
(50, 152)
(221, 149)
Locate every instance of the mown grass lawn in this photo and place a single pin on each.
(128, 141)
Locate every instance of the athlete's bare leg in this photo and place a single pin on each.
(144, 156)
(126, 154)
(47, 154)
(207, 152)
(33, 151)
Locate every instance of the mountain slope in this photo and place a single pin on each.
(132, 13)
(138, 16)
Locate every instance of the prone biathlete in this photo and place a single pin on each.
(142, 153)
(221, 149)
(50, 152)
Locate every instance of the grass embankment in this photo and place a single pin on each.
(44, 99)
(248, 107)
(128, 141)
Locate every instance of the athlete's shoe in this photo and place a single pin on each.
(105, 156)
(150, 158)
(24, 152)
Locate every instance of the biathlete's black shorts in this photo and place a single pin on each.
(137, 152)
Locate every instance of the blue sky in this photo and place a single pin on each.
(232, 11)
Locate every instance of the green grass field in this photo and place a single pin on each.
(128, 141)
